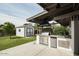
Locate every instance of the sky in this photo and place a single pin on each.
(17, 13)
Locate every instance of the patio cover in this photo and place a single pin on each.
(60, 12)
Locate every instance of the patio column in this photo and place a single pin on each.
(49, 42)
(75, 34)
(37, 39)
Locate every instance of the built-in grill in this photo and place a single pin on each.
(44, 38)
(45, 33)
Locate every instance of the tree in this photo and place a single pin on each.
(1, 25)
(9, 28)
(1, 30)
(60, 30)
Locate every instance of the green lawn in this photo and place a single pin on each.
(6, 42)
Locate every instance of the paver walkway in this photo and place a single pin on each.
(32, 49)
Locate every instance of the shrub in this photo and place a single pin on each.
(60, 30)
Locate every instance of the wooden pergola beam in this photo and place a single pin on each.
(55, 11)
(67, 15)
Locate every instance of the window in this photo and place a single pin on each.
(29, 31)
(19, 30)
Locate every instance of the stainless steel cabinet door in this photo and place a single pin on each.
(54, 42)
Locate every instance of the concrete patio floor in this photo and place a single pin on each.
(32, 49)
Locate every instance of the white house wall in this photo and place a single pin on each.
(21, 33)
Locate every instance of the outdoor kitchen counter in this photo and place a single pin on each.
(57, 36)
(54, 41)
(60, 41)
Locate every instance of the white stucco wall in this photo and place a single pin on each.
(21, 33)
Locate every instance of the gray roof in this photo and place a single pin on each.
(23, 25)
(20, 27)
